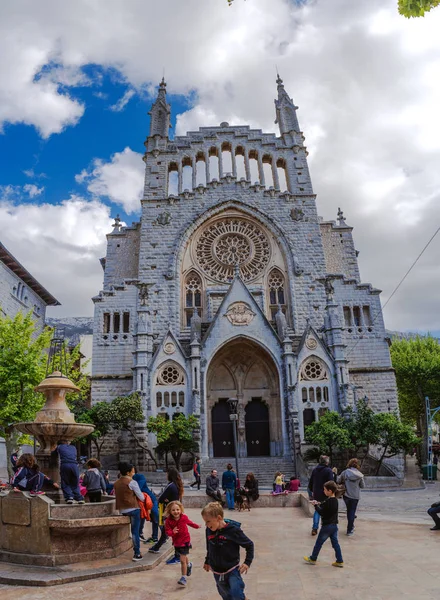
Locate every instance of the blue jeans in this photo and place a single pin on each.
(432, 512)
(327, 531)
(231, 585)
(135, 519)
(230, 497)
(69, 474)
(316, 519)
(351, 505)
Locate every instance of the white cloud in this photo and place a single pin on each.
(33, 190)
(121, 180)
(123, 101)
(61, 246)
(366, 80)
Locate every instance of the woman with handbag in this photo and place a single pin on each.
(353, 480)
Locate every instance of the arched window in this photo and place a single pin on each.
(200, 169)
(267, 170)
(315, 389)
(282, 175)
(187, 173)
(277, 294)
(226, 158)
(173, 179)
(169, 388)
(193, 296)
(253, 166)
(214, 172)
(240, 163)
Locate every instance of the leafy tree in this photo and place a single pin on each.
(393, 436)
(416, 8)
(361, 428)
(329, 433)
(417, 365)
(22, 367)
(175, 436)
(122, 413)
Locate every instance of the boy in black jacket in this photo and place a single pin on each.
(223, 542)
(328, 509)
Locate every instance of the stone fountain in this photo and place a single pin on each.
(54, 422)
(42, 530)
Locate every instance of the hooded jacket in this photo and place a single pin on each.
(223, 548)
(353, 481)
(320, 475)
(94, 481)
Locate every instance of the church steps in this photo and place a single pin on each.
(263, 467)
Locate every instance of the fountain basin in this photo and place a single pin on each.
(36, 531)
(48, 434)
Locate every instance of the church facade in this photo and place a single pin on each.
(232, 286)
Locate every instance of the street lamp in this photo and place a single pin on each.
(233, 415)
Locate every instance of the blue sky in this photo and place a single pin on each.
(54, 162)
(367, 82)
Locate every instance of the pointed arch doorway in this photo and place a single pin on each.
(243, 369)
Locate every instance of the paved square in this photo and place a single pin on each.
(384, 560)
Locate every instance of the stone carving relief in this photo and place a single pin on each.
(169, 348)
(297, 214)
(239, 313)
(311, 343)
(163, 218)
(229, 242)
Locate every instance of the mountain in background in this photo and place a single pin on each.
(73, 326)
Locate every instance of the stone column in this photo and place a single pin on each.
(234, 163)
(220, 163)
(261, 171)
(276, 179)
(180, 176)
(208, 176)
(194, 172)
(247, 166)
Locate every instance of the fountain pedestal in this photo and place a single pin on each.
(54, 422)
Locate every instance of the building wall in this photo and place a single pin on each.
(16, 296)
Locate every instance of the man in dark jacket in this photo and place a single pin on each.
(213, 487)
(320, 475)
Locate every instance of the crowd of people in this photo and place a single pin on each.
(224, 537)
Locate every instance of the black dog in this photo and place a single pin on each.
(241, 500)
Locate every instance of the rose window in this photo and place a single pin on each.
(170, 375)
(313, 370)
(228, 243)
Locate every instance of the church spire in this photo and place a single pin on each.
(285, 110)
(160, 113)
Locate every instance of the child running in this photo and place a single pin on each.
(28, 477)
(176, 527)
(223, 542)
(328, 509)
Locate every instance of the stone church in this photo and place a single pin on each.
(232, 286)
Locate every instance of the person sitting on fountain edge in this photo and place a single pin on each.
(69, 472)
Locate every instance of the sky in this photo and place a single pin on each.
(79, 79)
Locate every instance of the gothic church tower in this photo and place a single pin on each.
(232, 286)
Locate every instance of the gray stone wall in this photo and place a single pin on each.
(340, 253)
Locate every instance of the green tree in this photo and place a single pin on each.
(393, 436)
(175, 436)
(417, 365)
(361, 428)
(329, 433)
(22, 366)
(122, 413)
(416, 8)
